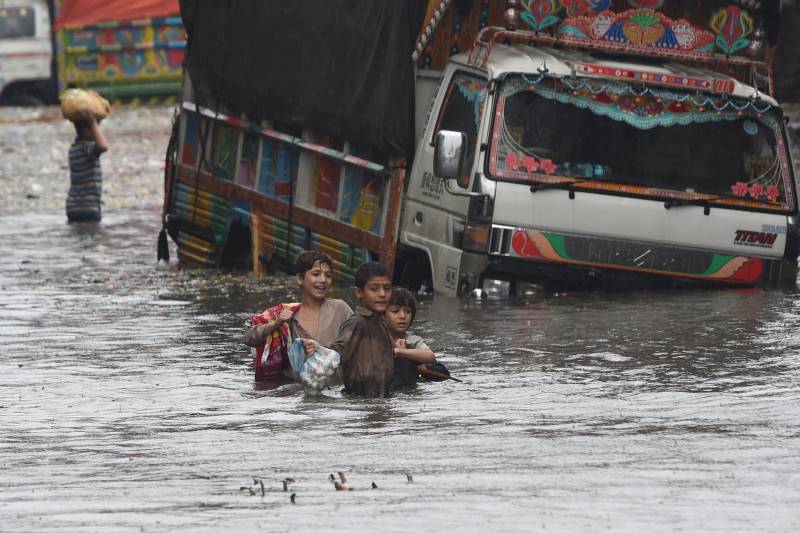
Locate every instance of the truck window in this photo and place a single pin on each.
(658, 140)
(17, 22)
(461, 111)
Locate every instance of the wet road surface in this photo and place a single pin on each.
(127, 404)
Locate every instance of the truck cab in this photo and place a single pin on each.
(584, 169)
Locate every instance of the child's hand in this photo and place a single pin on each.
(310, 346)
(399, 346)
(285, 315)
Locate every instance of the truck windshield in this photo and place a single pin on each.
(16, 22)
(641, 141)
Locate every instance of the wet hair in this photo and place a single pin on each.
(369, 270)
(306, 260)
(403, 298)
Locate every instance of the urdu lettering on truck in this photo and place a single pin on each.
(588, 144)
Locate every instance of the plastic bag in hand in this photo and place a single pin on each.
(317, 372)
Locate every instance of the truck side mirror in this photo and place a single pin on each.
(449, 153)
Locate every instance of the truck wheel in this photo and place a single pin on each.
(22, 98)
(415, 272)
(237, 250)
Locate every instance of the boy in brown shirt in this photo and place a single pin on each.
(363, 342)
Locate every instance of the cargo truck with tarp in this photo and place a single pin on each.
(487, 144)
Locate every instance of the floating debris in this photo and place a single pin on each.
(340, 486)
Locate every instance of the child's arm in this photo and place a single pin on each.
(420, 353)
(100, 143)
(348, 337)
(256, 335)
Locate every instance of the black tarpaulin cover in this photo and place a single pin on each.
(337, 67)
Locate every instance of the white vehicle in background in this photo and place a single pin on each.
(26, 53)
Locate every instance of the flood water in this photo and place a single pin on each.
(127, 403)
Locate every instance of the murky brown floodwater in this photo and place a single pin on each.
(127, 404)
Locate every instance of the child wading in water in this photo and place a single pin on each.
(363, 341)
(410, 350)
(317, 317)
(86, 179)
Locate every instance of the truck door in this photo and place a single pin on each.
(434, 219)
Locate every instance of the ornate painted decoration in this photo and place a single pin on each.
(550, 247)
(720, 85)
(646, 4)
(540, 14)
(732, 26)
(473, 90)
(640, 29)
(578, 8)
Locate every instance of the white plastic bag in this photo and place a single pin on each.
(317, 371)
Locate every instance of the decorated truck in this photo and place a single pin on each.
(487, 144)
(122, 49)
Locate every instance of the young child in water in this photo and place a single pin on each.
(410, 350)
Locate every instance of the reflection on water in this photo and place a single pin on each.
(127, 402)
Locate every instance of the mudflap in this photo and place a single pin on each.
(236, 251)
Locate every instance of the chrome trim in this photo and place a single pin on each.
(500, 240)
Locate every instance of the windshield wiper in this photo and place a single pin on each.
(705, 203)
(543, 186)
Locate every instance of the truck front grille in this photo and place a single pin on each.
(500, 240)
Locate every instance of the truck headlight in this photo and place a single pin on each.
(476, 237)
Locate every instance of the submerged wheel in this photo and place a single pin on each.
(237, 251)
(414, 272)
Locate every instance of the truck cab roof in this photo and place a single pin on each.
(533, 60)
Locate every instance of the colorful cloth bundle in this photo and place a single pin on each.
(275, 345)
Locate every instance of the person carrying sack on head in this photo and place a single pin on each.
(85, 109)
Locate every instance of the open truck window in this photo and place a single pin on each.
(655, 142)
(462, 112)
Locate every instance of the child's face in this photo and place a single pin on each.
(316, 282)
(398, 318)
(376, 293)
